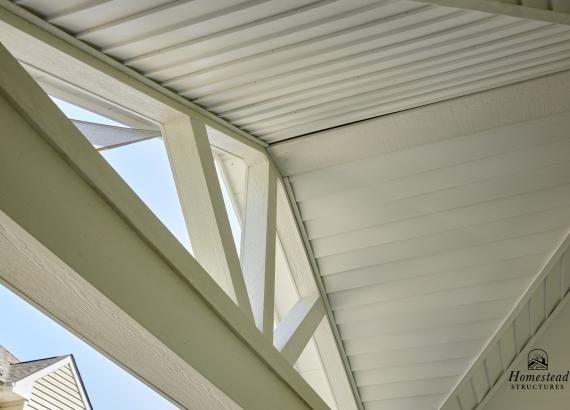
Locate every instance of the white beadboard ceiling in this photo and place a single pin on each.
(428, 225)
(281, 69)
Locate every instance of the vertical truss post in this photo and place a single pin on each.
(258, 243)
(200, 194)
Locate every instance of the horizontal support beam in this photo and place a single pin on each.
(61, 192)
(108, 136)
(34, 273)
(298, 326)
(64, 90)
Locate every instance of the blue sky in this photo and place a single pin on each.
(30, 335)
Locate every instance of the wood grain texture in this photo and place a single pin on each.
(41, 278)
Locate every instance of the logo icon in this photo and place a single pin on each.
(537, 360)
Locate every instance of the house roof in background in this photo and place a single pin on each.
(21, 370)
(6, 358)
(12, 370)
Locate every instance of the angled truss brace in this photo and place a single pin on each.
(109, 136)
(294, 332)
(196, 180)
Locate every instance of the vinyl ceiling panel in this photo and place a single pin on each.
(424, 249)
(280, 69)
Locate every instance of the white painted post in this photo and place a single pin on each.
(258, 243)
(203, 206)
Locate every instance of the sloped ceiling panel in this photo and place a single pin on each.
(280, 69)
(429, 229)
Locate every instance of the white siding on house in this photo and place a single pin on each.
(57, 390)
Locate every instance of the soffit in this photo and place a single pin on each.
(280, 69)
(427, 231)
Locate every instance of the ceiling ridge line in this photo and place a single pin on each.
(525, 55)
(477, 83)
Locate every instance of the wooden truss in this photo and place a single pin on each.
(79, 244)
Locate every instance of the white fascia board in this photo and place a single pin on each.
(79, 382)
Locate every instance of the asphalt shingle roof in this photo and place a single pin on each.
(12, 370)
(6, 358)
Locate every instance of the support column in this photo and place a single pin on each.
(258, 248)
